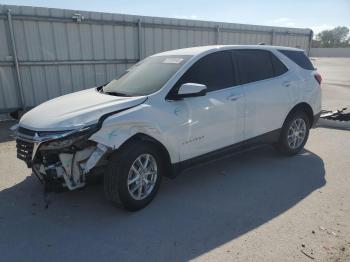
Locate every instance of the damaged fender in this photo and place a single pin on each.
(118, 128)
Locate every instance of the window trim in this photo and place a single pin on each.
(234, 74)
(281, 51)
(235, 65)
(270, 54)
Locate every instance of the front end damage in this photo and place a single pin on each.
(63, 159)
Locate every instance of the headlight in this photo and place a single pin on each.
(65, 142)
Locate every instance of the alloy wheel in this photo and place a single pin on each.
(296, 133)
(142, 176)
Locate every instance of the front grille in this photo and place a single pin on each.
(28, 141)
(24, 150)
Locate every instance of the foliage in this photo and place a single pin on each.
(336, 37)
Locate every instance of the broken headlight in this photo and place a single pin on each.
(78, 137)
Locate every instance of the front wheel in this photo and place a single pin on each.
(294, 134)
(133, 176)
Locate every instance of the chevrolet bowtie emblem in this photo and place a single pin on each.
(36, 136)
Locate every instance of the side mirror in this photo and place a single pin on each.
(191, 90)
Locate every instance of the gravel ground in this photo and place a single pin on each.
(255, 206)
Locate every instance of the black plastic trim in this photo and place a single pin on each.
(315, 119)
(267, 138)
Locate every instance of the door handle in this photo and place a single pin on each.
(234, 97)
(287, 83)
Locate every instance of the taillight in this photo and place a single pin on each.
(318, 78)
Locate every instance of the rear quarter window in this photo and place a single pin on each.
(299, 58)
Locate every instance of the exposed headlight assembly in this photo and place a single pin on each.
(76, 137)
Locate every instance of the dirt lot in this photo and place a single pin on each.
(256, 206)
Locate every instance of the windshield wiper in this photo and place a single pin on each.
(115, 94)
(112, 93)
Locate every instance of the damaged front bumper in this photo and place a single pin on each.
(60, 159)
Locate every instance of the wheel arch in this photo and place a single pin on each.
(304, 107)
(164, 153)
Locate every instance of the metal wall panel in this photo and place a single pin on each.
(57, 53)
(330, 52)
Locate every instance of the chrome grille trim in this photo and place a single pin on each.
(28, 141)
(24, 150)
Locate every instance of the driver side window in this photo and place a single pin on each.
(214, 70)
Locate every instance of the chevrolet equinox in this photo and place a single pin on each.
(170, 111)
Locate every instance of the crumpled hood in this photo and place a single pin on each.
(75, 110)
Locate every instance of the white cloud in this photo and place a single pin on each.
(319, 28)
(287, 22)
(186, 16)
(282, 21)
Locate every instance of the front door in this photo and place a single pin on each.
(213, 121)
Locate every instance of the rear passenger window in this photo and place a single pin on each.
(299, 58)
(278, 67)
(254, 65)
(214, 70)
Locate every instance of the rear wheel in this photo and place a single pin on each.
(133, 175)
(295, 132)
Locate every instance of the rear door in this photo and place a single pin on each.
(266, 86)
(306, 89)
(212, 121)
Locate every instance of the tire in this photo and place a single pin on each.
(290, 143)
(119, 173)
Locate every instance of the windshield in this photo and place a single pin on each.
(146, 77)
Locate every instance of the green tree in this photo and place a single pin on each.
(337, 37)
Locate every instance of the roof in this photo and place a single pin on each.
(201, 49)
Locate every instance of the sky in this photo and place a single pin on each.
(315, 14)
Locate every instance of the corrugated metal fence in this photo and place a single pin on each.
(45, 52)
(330, 52)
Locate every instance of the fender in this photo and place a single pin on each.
(119, 127)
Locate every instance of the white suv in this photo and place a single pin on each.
(169, 111)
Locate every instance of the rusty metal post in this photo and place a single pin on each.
(15, 59)
(139, 35)
(310, 42)
(217, 35)
(273, 37)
